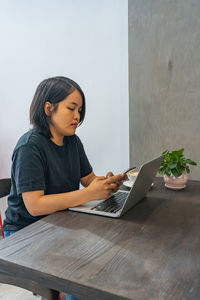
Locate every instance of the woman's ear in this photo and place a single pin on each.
(48, 108)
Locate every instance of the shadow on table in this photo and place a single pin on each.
(151, 215)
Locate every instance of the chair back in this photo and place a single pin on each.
(5, 185)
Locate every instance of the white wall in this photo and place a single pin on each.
(85, 40)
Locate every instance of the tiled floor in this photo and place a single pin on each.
(10, 292)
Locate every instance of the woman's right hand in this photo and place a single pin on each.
(101, 187)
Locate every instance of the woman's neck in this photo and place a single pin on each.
(56, 141)
(56, 138)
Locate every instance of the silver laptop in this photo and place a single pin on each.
(120, 202)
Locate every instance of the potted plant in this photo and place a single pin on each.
(175, 168)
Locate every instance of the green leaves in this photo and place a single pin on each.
(175, 163)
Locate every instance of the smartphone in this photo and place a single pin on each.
(128, 170)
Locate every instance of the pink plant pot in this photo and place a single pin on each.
(176, 183)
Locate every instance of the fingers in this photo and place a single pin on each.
(125, 177)
(109, 174)
(100, 178)
(112, 186)
(113, 183)
(120, 182)
(115, 190)
(115, 178)
(110, 178)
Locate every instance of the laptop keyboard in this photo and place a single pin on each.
(112, 204)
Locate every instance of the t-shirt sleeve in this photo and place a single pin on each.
(28, 169)
(85, 165)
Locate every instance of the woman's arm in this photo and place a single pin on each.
(39, 204)
(100, 188)
(85, 181)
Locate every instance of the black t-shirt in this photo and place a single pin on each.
(39, 164)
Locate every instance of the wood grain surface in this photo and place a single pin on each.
(152, 252)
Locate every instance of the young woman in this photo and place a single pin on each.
(49, 161)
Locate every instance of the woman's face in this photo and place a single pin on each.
(67, 116)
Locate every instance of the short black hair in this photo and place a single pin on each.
(53, 90)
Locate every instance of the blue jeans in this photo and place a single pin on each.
(69, 297)
(8, 233)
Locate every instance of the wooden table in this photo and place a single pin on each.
(152, 252)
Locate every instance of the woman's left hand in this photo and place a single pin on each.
(118, 183)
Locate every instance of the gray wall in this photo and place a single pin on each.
(164, 79)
